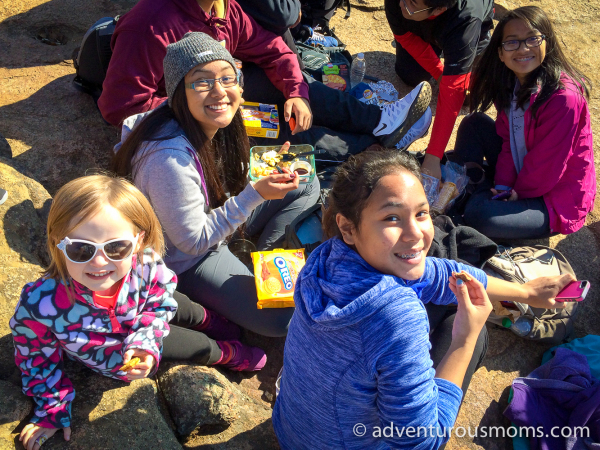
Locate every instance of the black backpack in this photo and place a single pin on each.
(92, 57)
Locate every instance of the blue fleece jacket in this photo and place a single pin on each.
(357, 352)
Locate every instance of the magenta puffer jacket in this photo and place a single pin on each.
(559, 165)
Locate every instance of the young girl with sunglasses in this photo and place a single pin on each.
(361, 352)
(105, 298)
(539, 152)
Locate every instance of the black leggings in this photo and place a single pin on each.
(441, 321)
(184, 344)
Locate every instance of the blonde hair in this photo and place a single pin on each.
(82, 198)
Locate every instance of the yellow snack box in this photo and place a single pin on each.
(275, 274)
(261, 119)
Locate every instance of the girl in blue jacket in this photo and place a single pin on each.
(357, 367)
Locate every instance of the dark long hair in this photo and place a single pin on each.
(224, 159)
(355, 181)
(493, 83)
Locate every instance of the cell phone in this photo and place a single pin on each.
(502, 195)
(575, 291)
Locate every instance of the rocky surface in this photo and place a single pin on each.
(22, 252)
(199, 397)
(50, 133)
(14, 407)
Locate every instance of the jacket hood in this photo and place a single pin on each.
(170, 130)
(338, 288)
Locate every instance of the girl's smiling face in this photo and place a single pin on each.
(395, 229)
(100, 274)
(524, 60)
(213, 109)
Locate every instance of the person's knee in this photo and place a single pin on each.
(473, 122)
(480, 215)
(481, 346)
(409, 77)
(275, 325)
(409, 71)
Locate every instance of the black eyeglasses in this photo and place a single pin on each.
(207, 85)
(80, 251)
(530, 42)
(410, 13)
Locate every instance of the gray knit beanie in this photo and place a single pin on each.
(192, 49)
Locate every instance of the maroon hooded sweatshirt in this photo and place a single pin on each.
(134, 81)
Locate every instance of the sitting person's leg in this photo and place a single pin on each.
(441, 338)
(187, 340)
(441, 321)
(477, 139)
(500, 220)
(194, 316)
(435, 315)
(339, 145)
(271, 217)
(408, 69)
(343, 113)
(222, 283)
(522, 219)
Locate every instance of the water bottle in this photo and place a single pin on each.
(522, 326)
(357, 70)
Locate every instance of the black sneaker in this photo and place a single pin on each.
(3, 196)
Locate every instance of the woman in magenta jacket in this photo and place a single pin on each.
(539, 152)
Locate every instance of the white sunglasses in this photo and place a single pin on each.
(81, 251)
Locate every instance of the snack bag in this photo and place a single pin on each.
(336, 76)
(275, 274)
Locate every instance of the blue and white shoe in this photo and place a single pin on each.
(320, 39)
(417, 131)
(398, 118)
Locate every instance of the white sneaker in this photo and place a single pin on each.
(3, 196)
(417, 131)
(397, 118)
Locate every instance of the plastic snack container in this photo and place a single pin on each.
(260, 168)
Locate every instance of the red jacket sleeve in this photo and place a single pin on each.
(556, 127)
(132, 78)
(269, 52)
(506, 172)
(450, 101)
(422, 52)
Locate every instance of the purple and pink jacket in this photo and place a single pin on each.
(559, 165)
(46, 326)
(134, 80)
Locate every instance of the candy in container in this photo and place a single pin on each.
(275, 274)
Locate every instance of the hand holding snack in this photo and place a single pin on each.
(275, 187)
(474, 307)
(141, 369)
(130, 365)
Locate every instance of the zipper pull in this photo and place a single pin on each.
(116, 326)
